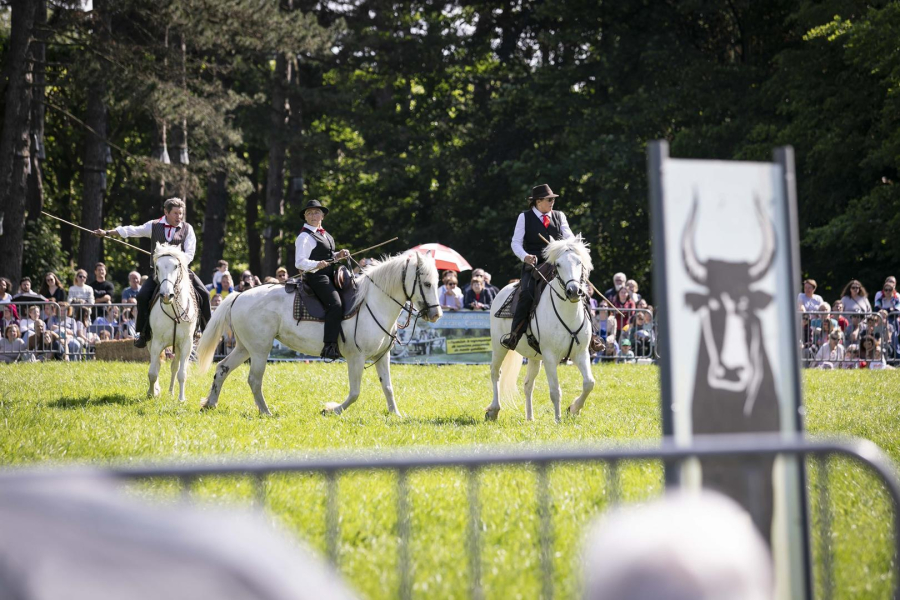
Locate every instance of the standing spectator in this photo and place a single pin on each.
(221, 269)
(622, 300)
(26, 294)
(248, 280)
(619, 281)
(281, 275)
(52, 288)
(854, 298)
(632, 286)
(103, 289)
(478, 297)
(12, 348)
(450, 297)
(5, 289)
(130, 293)
(891, 282)
(79, 290)
(809, 300)
(831, 355)
(223, 288)
(479, 272)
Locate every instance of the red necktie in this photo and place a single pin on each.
(546, 220)
(320, 230)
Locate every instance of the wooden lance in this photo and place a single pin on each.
(90, 231)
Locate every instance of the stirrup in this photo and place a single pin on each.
(331, 352)
(510, 341)
(140, 342)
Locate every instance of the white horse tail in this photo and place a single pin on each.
(509, 373)
(212, 335)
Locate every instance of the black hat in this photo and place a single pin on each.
(315, 204)
(539, 192)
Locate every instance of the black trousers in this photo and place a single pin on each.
(526, 299)
(322, 285)
(145, 295)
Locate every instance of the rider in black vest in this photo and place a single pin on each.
(170, 229)
(539, 220)
(315, 258)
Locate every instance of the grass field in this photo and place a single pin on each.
(97, 412)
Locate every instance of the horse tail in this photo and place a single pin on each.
(212, 335)
(509, 373)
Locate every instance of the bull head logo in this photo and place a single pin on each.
(731, 328)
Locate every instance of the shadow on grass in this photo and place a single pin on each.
(458, 421)
(83, 401)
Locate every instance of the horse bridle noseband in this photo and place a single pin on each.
(564, 284)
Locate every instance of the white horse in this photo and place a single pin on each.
(263, 314)
(561, 324)
(174, 318)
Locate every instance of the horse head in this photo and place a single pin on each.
(168, 270)
(425, 292)
(573, 265)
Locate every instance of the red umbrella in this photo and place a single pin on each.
(446, 259)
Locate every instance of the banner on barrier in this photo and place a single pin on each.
(457, 337)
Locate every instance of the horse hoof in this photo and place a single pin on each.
(491, 415)
(204, 404)
(331, 408)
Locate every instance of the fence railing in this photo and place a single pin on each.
(820, 455)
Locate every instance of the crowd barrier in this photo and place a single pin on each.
(825, 459)
(866, 340)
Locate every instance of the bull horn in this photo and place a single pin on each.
(767, 254)
(695, 268)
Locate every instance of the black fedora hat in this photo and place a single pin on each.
(315, 204)
(539, 192)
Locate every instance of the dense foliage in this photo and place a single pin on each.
(431, 121)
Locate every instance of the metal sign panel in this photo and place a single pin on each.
(726, 275)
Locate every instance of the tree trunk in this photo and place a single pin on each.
(296, 190)
(275, 182)
(214, 223)
(38, 53)
(94, 148)
(254, 244)
(15, 145)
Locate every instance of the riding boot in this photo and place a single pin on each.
(523, 309)
(330, 351)
(142, 319)
(204, 313)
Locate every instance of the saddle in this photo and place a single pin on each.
(508, 309)
(308, 307)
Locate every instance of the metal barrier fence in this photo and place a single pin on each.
(635, 335)
(821, 454)
(862, 340)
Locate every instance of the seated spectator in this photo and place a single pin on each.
(26, 323)
(808, 299)
(44, 345)
(641, 334)
(604, 322)
(221, 269)
(487, 285)
(103, 289)
(5, 289)
(854, 298)
(851, 357)
(10, 316)
(126, 324)
(64, 325)
(215, 300)
(12, 348)
(26, 294)
(52, 288)
(270, 280)
(867, 347)
(822, 333)
(248, 280)
(632, 286)
(361, 264)
(450, 297)
(837, 308)
(851, 334)
(619, 281)
(281, 275)
(610, 353)
(642, 303)
(134, 286)
(478, 297)
(878, 357)
(622, 301)
(701, 546)
(80, 290)
(475, 273)
(223, 288)
(870, 326)
(626, 354)
(889, 282)
(111, 318)
(83, 327)
(831, 353)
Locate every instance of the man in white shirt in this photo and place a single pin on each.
(172, 229)
(539, 220)
(315, 256)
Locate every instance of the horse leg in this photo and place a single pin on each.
(183, 357)
(355, 365)
(231, 362)
(176, 355)
(255, 379)
(551, 363)
(153, 374)
(492, 411)
(583, 362)
(383, 366)
(534, 367)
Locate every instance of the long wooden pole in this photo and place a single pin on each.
(90, 231)
(596, 291)
(373, 247)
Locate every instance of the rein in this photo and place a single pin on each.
(584, 319)
(181, 313)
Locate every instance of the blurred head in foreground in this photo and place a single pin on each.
(682, 547)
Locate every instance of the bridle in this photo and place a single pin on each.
(181, 314)
(585, 316)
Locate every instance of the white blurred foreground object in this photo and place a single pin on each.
(700, 546)
(81, 538)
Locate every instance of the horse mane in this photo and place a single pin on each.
(386, 273)
(555, 249)
(170, 250)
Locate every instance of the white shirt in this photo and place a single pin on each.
(81, 292)
(809, 304)
(304, 246)
(519, 233)
(146, 230)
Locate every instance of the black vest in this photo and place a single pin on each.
(534, 228)
(158, 235)
(324, 249)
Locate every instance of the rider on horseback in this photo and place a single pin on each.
(539, 220)
(315, 258)
(172, 229)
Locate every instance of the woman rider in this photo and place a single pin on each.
(315, 257)
(539, 220)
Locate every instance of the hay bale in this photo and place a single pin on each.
(121, 350)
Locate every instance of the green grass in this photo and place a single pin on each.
(97, 412)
